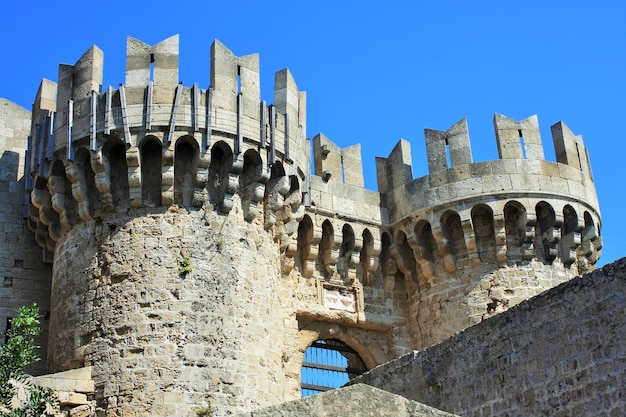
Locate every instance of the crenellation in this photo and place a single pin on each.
(566, 145)
(75, 86)
(395, 170)
(448, 149)
(328, 159)
(158, 175)
(225, 77)
(518, 139)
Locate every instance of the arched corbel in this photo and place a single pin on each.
(276, 189)
(308, 264)
(292, 211)
(395, 251)
(200, 194)
(329, 250)
(552, 238)
(134, 177)
(103, 182)
(348, 263)
(528, 246)
(167, 175)
(470, 240)
(56, 188)
(289, 258)
(443, 248)
(500, 237)
(571, 241)
(426, 266)
(254, 192)
(79, 189)
(232, 183)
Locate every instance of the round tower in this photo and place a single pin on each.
(162, 208)
(474, 238)
(196, 259)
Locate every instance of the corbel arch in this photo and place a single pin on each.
(484, 232)
(547, 232)
(219, 171)
(116, 171)
(151, 162)
(515, 220)
(185, 166)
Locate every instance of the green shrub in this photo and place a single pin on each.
(19, 351)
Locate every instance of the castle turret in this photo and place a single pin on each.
(487, 235)
(196, 259)
(164, 209)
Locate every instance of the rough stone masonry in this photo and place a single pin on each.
(185, 253)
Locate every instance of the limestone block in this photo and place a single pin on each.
(504, 166)
(496, 183)
(525, 182)
(72, 398)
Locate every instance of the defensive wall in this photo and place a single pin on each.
(561, 353)
(196, 256)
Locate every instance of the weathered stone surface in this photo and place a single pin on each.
(356, 400)
(24, 277)
(195, 255)
(562, 352)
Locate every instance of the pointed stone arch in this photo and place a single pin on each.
(453, 231)
(151, 160)
(515, 220)
(424, 247)
(367, 258)
(252, 183)
(329, 251)
(345, 266)
(61, 197)
(404, 255)
(305, 238)
(388, 265)
(185, 167)
(484, 232)
(84, 187)
(116, 167)
(219, 169)
(547, 234)
(591, 240)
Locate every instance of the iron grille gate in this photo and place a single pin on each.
(328, 364)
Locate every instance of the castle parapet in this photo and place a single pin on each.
(549, 194)
(155, 142)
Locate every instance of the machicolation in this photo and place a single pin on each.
(124, 185)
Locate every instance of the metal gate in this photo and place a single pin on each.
(328, 364)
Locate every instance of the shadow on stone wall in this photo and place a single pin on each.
(562, 352)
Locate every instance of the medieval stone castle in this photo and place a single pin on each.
(186, 256)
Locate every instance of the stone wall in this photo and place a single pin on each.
(357, 400)
(165, 343)
(24, 277)
(561, 353)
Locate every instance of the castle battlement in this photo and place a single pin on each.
(195, 255)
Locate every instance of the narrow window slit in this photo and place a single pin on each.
(151, 67)
(238, 79)
(522, 144)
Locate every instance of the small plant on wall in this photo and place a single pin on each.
(184, 267)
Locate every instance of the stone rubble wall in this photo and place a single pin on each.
(165, 343)
(560, 353)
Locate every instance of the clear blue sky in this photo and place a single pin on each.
(375, 71)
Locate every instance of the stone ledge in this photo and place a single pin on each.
(75, 380)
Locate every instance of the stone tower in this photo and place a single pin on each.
(195, 257)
